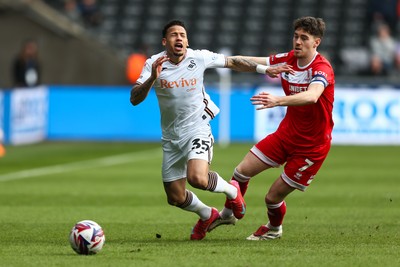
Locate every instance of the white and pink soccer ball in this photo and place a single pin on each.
(87, 237)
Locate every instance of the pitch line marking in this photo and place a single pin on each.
(81, 165)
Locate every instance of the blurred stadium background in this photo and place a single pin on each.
(86, 64)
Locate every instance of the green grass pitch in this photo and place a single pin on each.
(349, 216)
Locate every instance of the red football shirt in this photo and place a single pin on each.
(308, 125)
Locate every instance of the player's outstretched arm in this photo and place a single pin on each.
(242, 64)
(139, 92)
(256, 64)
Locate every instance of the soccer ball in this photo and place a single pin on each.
(87, 237)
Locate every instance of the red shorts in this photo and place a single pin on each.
(302, 163)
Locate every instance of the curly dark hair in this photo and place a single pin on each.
(313, 26)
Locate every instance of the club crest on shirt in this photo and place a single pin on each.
(192, 65)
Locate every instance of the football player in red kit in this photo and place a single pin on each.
(303, 138)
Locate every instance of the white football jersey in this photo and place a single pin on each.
(184, 104)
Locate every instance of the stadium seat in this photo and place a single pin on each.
(243, 26)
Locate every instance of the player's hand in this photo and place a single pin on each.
(157, 66)
(274, 71)
(265, 100)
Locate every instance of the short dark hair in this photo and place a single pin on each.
(170, 24)
(313, 26)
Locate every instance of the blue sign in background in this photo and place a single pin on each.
(83, 112)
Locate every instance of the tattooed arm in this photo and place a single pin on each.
(242, 64)
(140, 91)
(249, 64)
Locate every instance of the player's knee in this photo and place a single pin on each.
(198, 181)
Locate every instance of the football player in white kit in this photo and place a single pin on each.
(177, 76)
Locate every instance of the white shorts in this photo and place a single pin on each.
(176, 153)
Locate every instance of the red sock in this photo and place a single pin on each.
(276, 212)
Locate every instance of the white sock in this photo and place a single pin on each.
(198, 207)
(221, 186)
